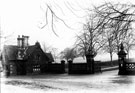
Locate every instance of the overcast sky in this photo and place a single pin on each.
(24, 17)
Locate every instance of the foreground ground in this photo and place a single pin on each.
(107, 81)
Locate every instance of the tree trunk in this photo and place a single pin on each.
(111, 58)
(128, 54)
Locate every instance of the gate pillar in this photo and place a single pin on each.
(90, 62)
(121, 60)
(21, 67)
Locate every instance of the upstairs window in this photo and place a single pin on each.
(37, 57)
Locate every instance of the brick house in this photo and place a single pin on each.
(25, 59)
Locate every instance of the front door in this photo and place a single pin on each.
(21, 67)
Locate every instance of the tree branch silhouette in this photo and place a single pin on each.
(53, 16)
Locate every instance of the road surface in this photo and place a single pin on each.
(106, 82)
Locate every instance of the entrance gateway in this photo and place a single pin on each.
(125, 66)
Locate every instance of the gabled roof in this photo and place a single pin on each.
(10, 52)
(49, 55)
(30, 49)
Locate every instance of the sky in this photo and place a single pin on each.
(25, 17)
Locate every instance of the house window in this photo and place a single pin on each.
(37, 57)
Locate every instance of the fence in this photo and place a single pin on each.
(78, 68)
(127, 68)
(72, 68)
(82, 68)
(56, 67)
(108, 63)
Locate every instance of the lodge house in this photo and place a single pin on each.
(24, 58)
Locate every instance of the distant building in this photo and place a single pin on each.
(25, 59)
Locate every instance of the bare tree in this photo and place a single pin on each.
(68, 53)
(54, 52)
(91, 38)
(82, 44)
(109, 46)
(45, 47)
(129, 41)
(109, 25)
(118, 17)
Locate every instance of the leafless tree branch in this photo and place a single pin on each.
(53, 16)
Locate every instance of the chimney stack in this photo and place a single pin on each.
(22, 41)
(19, 41)
(22, 45)
(26, 41)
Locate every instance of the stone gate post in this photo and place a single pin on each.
(121, 60)
(90, 62)
(63, 66)
(70, 66)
